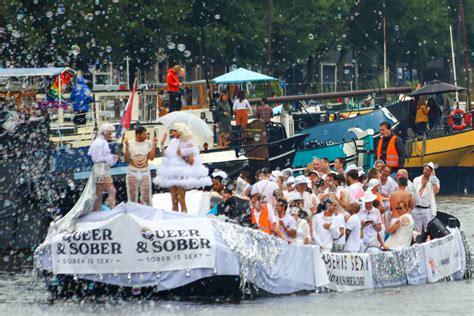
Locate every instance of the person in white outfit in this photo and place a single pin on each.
(353, 229)
(181, 168)
(138, 178)
(401, 231)
(103, 160)
(426, 187)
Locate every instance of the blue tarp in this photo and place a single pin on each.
(242, 75)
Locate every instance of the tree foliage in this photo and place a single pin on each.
(44, 32)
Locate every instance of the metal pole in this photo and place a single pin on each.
(385, 74)
(128, 73)
(453, 58)
(466, 61)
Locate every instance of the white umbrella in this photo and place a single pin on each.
(198, 127)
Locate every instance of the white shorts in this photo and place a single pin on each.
(102, 173)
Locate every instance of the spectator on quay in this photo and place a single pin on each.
(241, 108)
(286, 222)
(401, 231)
(264, 112)
(390, 148)
(353, 229)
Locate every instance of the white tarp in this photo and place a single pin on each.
(127, 243)
(348, 272)
(442, 257)
(197, 202)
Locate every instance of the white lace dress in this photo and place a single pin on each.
(175, 171)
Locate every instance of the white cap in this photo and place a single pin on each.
(431, 165)
(300, 180)
(294, 196)
(351, 167)
(277, 173)
(368, 196)
(219, 173)
(372, 184)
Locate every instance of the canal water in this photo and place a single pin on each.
(21, 294)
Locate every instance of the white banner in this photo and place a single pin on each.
(127, 243)
(348, 272)
(442, 257)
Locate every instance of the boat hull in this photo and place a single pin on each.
(334, 132)
(454, 154)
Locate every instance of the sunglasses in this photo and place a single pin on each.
(399, 208)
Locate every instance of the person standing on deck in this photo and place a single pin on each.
(138, 178)
(264, 112)
(103, 160)
(427, 186)
(390, 148)
(241, 109)
(224, 117)
(172, 80)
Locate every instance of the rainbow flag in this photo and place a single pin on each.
(52, 96)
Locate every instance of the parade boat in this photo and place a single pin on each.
(134, 251)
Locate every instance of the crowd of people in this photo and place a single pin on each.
(343, 209)
(340, 208)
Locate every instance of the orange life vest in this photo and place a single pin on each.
(264, 221)
(391, 156)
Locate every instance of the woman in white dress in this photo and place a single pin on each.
(181, 168)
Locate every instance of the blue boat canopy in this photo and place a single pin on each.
(32, 72)
(242, 75)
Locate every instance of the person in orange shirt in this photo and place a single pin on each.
(263, 217)
(390, 148)
(241, 108)
(172, 80)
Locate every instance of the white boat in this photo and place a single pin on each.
(139, 251)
